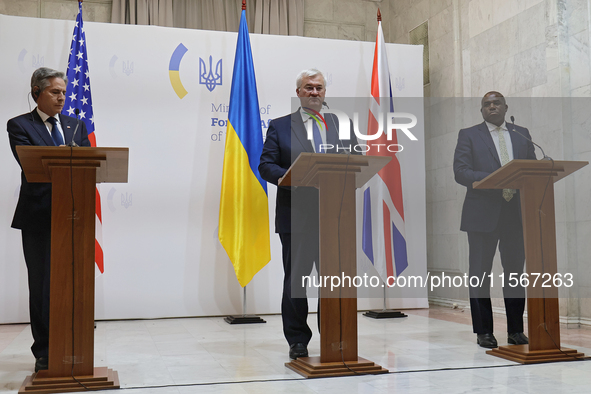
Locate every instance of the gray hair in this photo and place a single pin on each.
(40, 80)
(309, 73)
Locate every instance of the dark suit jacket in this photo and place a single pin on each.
(33, 209)
(296, 208)
(475, 158)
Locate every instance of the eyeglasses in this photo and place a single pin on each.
(310, 89)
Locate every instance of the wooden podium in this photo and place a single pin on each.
(73, 173)
(535, 181)
(336, 176)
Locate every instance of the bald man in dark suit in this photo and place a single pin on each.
(493, 217)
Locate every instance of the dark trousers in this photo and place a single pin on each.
(37, 251)
(300, 253)
(509, 237)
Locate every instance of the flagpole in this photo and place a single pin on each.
(244, 301)
(244, 319)
(384, 313)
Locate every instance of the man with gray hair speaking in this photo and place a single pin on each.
(44, 126)
(296, 215)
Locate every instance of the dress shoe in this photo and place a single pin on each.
(40, 363)
(517, 338)
(486, 340)
(298, 350)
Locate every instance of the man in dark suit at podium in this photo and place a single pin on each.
(44, 126)
(493, 217)
(296, 215)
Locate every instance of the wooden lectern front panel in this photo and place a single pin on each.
(71, 326)
(539, 234)
(338, 257)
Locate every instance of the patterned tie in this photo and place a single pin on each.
(56, 136)
(507, 193)
(317, 136)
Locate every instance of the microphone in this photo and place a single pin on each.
(339, 142)
(73, 144)
(530, 140)
(336, 128)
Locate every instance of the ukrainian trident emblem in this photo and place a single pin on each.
(400, 83)
(127, 68)
(209, 79)
(126, 200)
(38, 61)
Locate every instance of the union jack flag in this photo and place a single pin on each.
(383, 236)
(79, 104)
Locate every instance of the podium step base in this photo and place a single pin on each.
(311, 367)
(384, 314)
(522, 354)
(102, 379)
(247, 319)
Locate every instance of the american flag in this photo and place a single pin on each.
(79, 103)
(383, 236)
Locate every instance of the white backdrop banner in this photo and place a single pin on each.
(162, 254)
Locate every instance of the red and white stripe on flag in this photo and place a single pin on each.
(79, 103)
(384, 238)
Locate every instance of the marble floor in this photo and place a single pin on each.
(430, 351)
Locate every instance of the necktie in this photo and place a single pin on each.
(317, 136)
(507, 193)
(56, 136)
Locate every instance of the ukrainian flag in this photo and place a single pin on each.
(244, 212)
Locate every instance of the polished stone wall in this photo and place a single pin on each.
(346, 19)
(524, 49)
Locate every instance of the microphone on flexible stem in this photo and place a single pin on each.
(72, 143)
(530, 140)
(339, 142)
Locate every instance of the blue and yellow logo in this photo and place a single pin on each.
(209, 78)
(173, 70)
